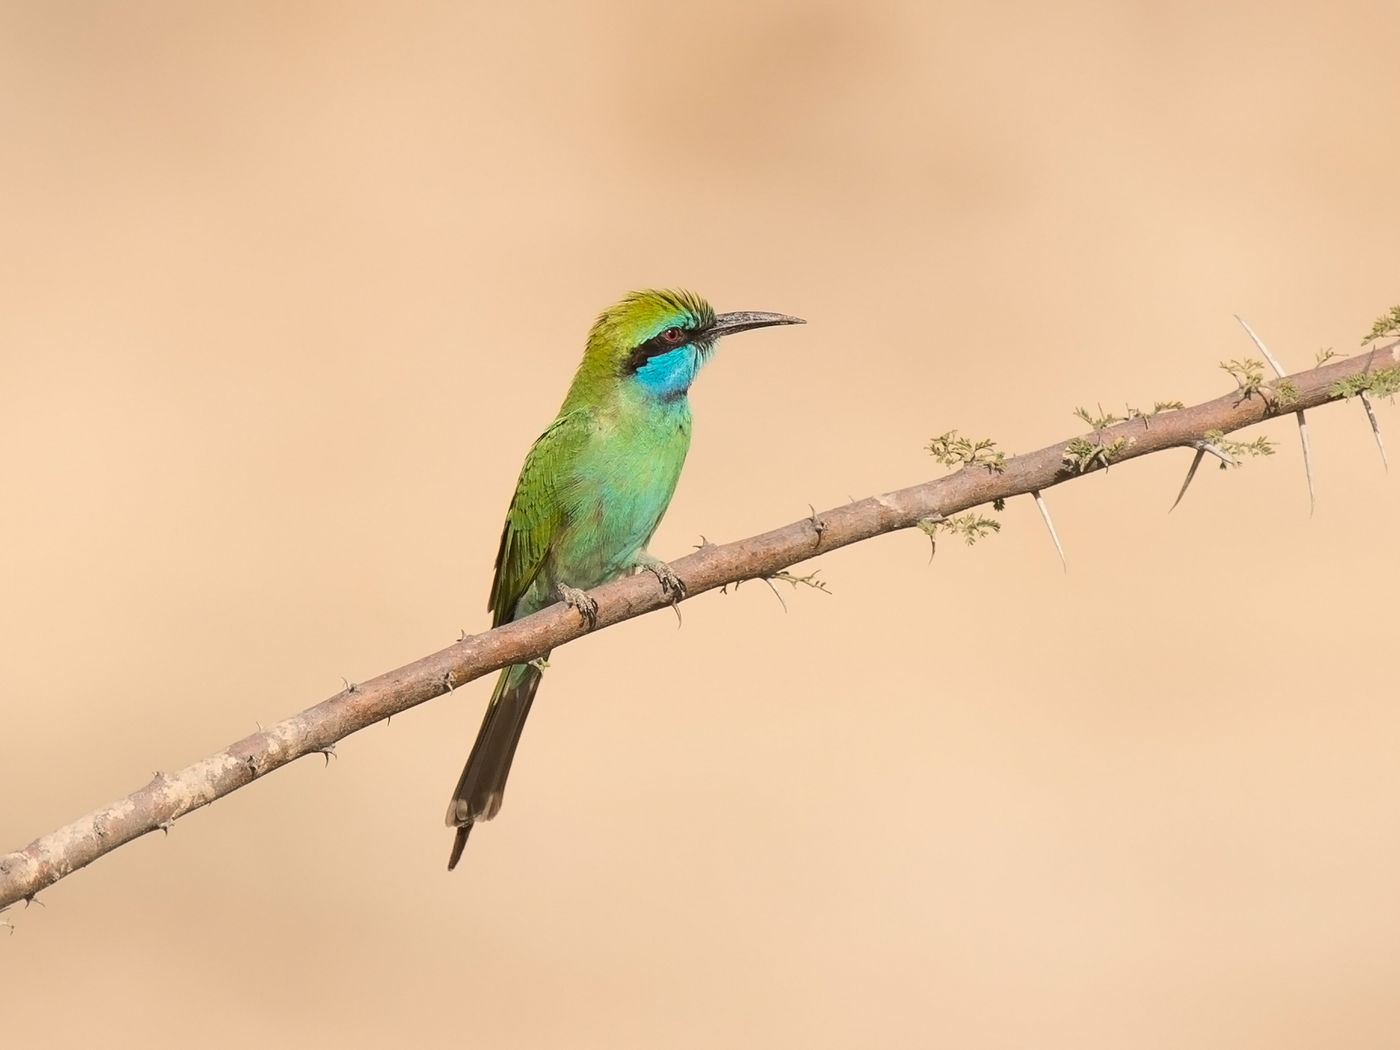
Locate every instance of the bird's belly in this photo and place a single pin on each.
(614, 508)
(604, 539)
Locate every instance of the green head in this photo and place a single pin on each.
(655, 342)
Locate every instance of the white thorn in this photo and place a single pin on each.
(1045, 513)
(1218, 453)
(1375, 428)
(1278, 369)
(1307, 461)
(1191, 473)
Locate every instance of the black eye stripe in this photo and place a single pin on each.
(655, 347)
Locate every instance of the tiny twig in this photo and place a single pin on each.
(929, 527)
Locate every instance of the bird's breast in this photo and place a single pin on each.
(621, 485)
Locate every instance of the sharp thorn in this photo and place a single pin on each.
(1375, 428)
(1191, 473)
(1218, 452)
(1273, 363)
(776, 594)
(1045, 513)
(1307, 461)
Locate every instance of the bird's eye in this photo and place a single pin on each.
(673, 335)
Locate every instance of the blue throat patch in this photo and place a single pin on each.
(668, 376)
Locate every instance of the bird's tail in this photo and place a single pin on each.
(479, 792)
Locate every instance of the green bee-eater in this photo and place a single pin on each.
(591, 493)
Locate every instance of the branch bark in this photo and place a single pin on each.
(169, 796)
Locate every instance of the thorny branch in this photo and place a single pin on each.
(169, 796)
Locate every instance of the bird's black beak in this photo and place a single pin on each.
(744, 320)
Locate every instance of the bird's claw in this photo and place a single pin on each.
(580, 601)
(672, 586)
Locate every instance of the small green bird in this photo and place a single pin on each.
(591, 493)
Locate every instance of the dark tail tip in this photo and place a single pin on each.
(458, 844)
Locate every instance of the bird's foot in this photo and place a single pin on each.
(579, 600)
(671, 584)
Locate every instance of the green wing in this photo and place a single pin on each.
(536, 512)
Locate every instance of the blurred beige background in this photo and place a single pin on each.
(287, 292)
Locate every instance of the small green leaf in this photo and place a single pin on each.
(1100, 421)
(1383, 382)
(1248, 374)
(954, 451)
(971, 527)
(1260, 446)
(1387, 325)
